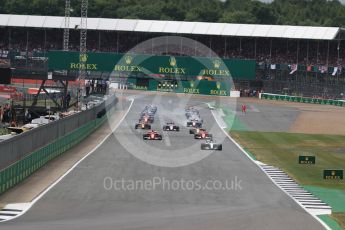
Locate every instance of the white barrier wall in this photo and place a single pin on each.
(234, 93)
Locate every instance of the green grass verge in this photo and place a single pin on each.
(282, 150)
(232, 121)
(340, 218)
(333, 197)
(332, 222)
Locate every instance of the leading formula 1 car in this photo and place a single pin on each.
(142, 125)
(152, 135)
(203, 135)
(170, 126)
(211, 145)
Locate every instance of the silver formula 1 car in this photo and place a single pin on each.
(211, 145)
(170, 126)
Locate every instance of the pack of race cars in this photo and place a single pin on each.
(194, 121)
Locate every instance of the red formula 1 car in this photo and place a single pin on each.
(152, 135)
(203, 135)
(146, 119)
(196, 130)
(142, 125)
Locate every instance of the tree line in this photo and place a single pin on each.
(280, 12)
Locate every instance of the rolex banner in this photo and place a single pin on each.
(153, 65)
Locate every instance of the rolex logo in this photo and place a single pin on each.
(306, 158)
(216, 63)
(83, 57)
(172, 61)
(218, 85)
(128, 59)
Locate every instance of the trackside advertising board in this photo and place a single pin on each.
(151, 64)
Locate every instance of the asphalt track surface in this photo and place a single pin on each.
(80, 200)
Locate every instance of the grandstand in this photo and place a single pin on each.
(295, 60)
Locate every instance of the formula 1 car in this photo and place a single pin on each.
(170, 126)
(203, 135)
(146, 119)
(152, 135)
(196, 130)
(150, 109)
(142, 125)
(211, 145)
(194, 124)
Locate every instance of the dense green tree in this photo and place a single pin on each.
(291, 12)
(238, 17)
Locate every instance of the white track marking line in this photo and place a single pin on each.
(30, 204)
(258, 164)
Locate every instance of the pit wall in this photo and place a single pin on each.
(32, 161)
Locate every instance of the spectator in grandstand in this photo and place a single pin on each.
(98, 86)
(27, 116)
(68, 99)
(104, 86)
(92, 86)
(1, 113)
(6, 114)
(87, 88)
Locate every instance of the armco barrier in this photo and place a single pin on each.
(280, 97)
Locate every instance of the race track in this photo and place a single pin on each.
(81, 201)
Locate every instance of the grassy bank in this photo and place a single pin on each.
(282, 150)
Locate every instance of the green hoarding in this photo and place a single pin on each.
(189, 87)
(332, 174)
(150, 64)
(309, 160)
